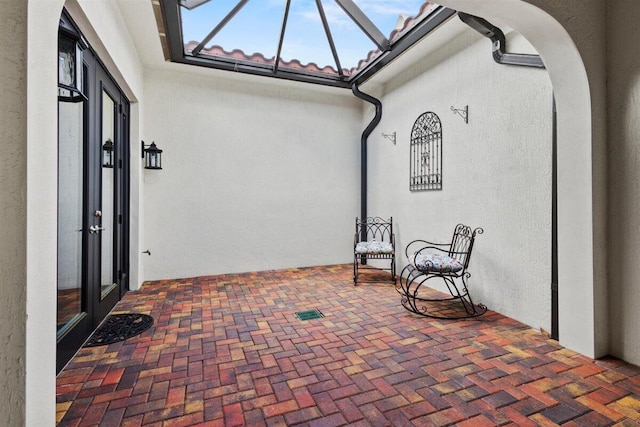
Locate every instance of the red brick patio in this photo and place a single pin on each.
(228, 351)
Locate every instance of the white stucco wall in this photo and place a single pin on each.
(41, 196)
(496, 169)
(624, 177)
(13, 208)
(582, 175)
(570, 36)
(257, 174)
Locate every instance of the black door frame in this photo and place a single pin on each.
(105, 84)
(96, 77)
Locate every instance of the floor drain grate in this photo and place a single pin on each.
(309, 314)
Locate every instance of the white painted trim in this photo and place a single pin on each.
(42, 170)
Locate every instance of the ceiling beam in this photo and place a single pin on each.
(327, 31)
(173, 29)
(266, 70)
(285, 18)
(365, 24)
(219, 27)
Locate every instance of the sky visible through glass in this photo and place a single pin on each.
(256, 28)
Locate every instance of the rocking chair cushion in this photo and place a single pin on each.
(374, 247)
(437, 262)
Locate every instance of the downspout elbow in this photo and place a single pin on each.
(499, 43)
(378, 114)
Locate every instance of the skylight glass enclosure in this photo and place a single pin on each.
(333, 42)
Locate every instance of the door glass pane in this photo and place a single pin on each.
(70, 208)
(107, 282)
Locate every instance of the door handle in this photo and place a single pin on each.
(95, 229)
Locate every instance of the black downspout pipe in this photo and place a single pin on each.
(499, 43)
(555, 333)
(363, 152)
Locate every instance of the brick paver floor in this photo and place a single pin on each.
(228, 350)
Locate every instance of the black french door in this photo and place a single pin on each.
(93, 209)
(109, 201)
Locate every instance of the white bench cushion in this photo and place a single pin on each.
(374, 247)
(437, 262)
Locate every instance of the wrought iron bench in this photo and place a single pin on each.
(445, 261)
(373, 240)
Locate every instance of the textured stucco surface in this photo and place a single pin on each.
(624, 177)
(13, 169)
(255, 176)
(570, 36)
(496, 168)
(585, 21)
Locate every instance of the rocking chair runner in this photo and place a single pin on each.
(447, 261)
(373, 240)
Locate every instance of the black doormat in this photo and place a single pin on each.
(119, 327)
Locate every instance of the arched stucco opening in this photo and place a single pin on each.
(582, 308)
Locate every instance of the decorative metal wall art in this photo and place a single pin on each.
(426, 153)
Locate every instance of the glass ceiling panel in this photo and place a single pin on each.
(254, 29)
(251, 35)
(351, 42)
(305, 39)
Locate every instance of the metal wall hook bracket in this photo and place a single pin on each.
(390, 136)
(462, 112)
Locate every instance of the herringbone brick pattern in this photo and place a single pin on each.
(228, 351)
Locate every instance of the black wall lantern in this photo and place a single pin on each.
(107, 154)
(70, 69)
(152, 156)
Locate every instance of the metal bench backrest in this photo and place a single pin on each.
(374, 228)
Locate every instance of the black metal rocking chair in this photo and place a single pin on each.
(448, 262)
(373, 240)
